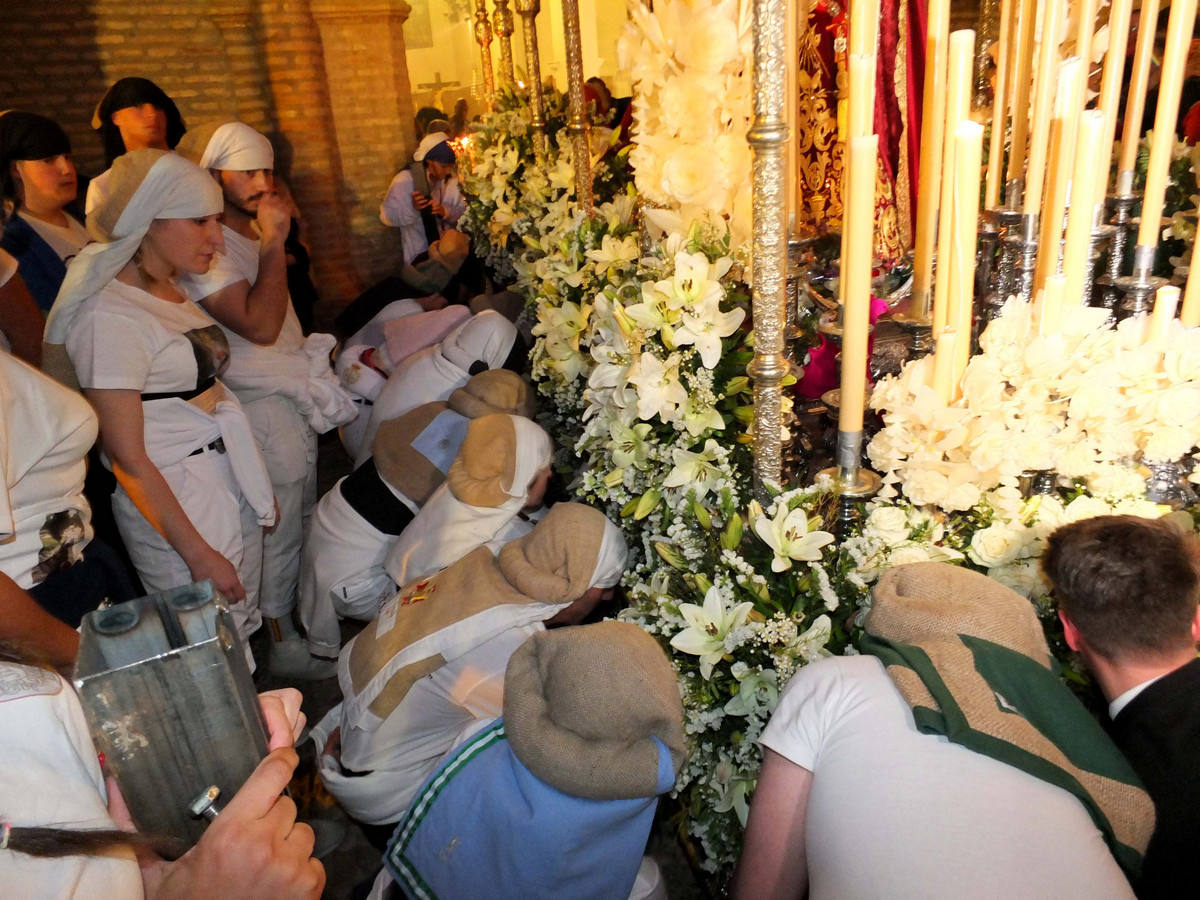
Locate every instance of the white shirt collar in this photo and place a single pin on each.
(1122, 700)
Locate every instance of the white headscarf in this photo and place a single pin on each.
(143, 185)
(234, 146)
(447, 528)
(613, 557)
(486, 338)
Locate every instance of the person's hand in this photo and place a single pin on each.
(438, 209)
(432, 302)
(274, 218)
(420, 201)
(270, 529)
(254, 848)
(212, 565)
(285, 721)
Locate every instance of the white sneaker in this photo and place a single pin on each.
(291, 659)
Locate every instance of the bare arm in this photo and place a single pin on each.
(122, 435)
(256, 312)
(21, 321)
(773, 863)
(23, 622)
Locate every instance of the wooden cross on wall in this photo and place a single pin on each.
(437, 84)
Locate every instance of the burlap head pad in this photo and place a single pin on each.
(483, 471)
(555, 562)
(194, 142)
(916, 603)
(399, 463)
(582, 704)
(494, 391)
(124, 178)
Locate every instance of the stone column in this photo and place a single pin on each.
(371, 109)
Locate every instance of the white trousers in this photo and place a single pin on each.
(342, 575)
(289, 448)
(205, 487)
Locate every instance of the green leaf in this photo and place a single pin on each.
(628, 508)
(731, 537)
(701, 514)
(669, 555)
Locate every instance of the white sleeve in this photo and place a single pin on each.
(453, 201)
(811, 703)
(109, 351)
(221, 274)
(397, 209)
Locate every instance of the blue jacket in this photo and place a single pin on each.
(39, 266)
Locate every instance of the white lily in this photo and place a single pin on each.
(659, 390)
(788, 536)
(708, 626)
(694, 469)
(705, 328)
(629, 445)
(696, 280)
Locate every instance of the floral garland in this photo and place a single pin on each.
(690, 61)
(1088, 403)
(515, 206)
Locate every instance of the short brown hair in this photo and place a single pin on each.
(1130, 585)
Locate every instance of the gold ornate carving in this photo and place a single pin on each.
(483, 37)
(577, 123)
(528, 10)
(502, 24)
(768, 136)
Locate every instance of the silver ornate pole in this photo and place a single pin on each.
(502, 24)
(483, 37)
(768, 137)
(577, 123)
(528, 10)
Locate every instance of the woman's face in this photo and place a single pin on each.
(46, 184)
(537, 489)
(142, 126)
(186, 245)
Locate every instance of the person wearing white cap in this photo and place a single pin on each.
(193, 492)
(424, 200)
(282, 378)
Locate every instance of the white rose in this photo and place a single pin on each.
(889, 524)
(913, 553)
(996, 545)
(1025, 578)
(687, 174)
(925, 487)
(1084, 507)
(707, 41)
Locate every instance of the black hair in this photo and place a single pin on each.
(25, 135)
(134, 92)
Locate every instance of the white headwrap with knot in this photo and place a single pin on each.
(143, 185)
(237, 147)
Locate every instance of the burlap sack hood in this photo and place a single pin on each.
(555, 562)
(582, 706)
(497, 460)
(927, 601)
(407, 469)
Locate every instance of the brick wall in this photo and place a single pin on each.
(331, 94)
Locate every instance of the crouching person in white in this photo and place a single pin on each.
(433, 662)
(283, 379)
(193, 492)
(555, 799)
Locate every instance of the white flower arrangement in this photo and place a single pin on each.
(690, 61)
(1087, 402)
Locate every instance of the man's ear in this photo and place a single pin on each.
(1196, 626)
(1075, 640)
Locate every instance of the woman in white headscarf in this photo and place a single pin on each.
(485, 341)
(499, 476)
(193, 493)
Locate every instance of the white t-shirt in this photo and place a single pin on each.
(46, 431)
(49, 776)
(239, 262)
(126, 339)
(897, 813)
(398, 211)
(65, 241)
